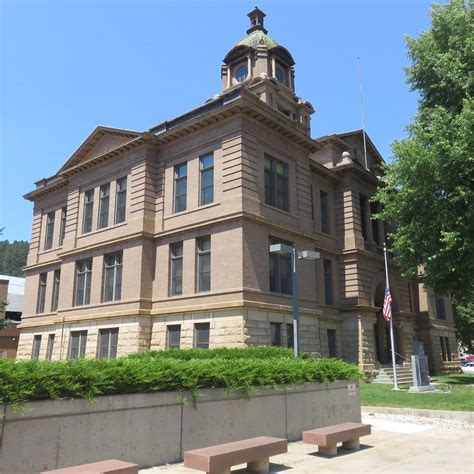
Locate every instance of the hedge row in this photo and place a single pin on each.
(163, 371)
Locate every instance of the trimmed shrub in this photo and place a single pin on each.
(180, 370)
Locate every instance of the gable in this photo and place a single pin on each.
(100, 141)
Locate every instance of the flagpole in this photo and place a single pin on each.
(391, 323)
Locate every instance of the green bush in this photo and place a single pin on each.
(181, 370)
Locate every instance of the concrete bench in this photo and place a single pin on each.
(111, 466)
(327, 438)
(219, 459)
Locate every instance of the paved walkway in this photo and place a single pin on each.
(393, 446)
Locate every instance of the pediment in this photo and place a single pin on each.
(100, 141)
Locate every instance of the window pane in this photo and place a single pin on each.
(176, 270)
(88, 211)
(275, 330)
(62, 231)
(56, 283)
(49, 230)
(49, 349)
(328, 293)
(207, 178)
(202, 335)
(104, 343)
(174, 336)
(331, 334)
(276, 183)
(104, 206)
(36, 347)
(121, 200)
(75, 343)
(207, 161)
(82, 344)
(42, 292)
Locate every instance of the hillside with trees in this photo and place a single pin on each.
(13, 257)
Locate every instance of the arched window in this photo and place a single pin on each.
(241, 73)
(281, 76)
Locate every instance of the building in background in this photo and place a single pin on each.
(12, 290)
(160, 239)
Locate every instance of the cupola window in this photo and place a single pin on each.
(280, 76)
(241, 73)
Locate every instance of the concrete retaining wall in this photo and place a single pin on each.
(152, 429)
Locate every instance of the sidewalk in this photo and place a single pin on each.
(392, 447)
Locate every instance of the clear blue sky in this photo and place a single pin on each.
(68, 66)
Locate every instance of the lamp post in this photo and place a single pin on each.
(283, 249)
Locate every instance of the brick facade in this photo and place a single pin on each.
(252, 121)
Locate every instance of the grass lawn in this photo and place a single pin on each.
(461, 397)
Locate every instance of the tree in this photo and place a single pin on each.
(428, 190)
(13, 257)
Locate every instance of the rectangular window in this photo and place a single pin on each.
(104, 205)
(275, 334)
(120, 200)
(112, 277)
(290, 336)
(448, 348)
(173, 336)
(443, 349)
(62, 229)
(180, 187)
(440, 309)
(88, 211)
(324, 201)
(48, 242)
(276, 183)
(280, 270)
(204, 263)
(374, 208)
(201, 334)
(176, 271)
(41, 293)
(49, 347)
(77, 344)
(328, 291)
(83, 282)
(363, 215)
(332, 342)
(36, 347)
(206, 167)
(108, 340)
(56, 283)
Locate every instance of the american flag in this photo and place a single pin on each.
(387, 305)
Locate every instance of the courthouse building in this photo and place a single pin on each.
(160, 239)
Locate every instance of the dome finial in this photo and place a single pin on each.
(256, 20)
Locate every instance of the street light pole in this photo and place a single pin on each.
(294, 292)
(284, 249)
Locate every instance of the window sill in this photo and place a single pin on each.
(52, 250)
(105, 229)
(190, 211)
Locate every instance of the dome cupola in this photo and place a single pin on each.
(257, 54)
(265, 68)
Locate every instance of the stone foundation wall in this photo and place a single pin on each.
(133, 337)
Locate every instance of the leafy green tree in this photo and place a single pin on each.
(429, 185)
(13, 257)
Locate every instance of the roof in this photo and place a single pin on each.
(256, 38)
